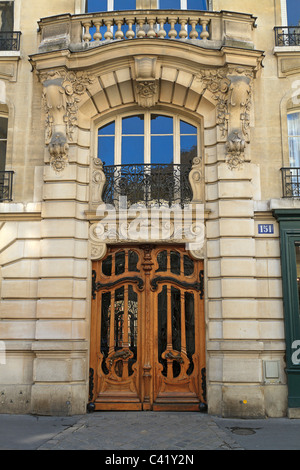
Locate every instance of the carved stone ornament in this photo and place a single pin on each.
(232, 89)
(61, 95)
(146, 85)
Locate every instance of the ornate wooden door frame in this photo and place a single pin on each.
(158, 361)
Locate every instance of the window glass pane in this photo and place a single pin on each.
(106, 150)
(197, 4)
(169, 4)
(6, 16)
(132, 150)
(96, 5)
(2, 155)
(3, 128)
(186, 128)
(294, 145)
(293, 7)
(294, 124)
(108, 129)
(188, 148)
(124, 5)
(162, 149)
(161, 124)
(133, 125)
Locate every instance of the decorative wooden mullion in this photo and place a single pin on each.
(169, 332)
(147, 328)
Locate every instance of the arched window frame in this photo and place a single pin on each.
(294, 136)
(147, 134)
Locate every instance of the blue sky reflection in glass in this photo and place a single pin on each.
(161, 139)
(132, 140)
(106, 143)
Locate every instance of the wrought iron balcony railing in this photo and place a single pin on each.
(148, 184)
(6, 182)
(291, 182)
(287, 36)
(10, 40)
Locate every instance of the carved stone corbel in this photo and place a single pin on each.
(146, 85)
(232, 90)
(61, 97)
(196, 180)
(98, 181)
(239, 105)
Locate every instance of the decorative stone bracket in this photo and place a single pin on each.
(232, 90)
(146, 85)
(61, 95)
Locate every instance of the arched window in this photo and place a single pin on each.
(116, 5)
(147, 138)
(294, 138)
(148, 157)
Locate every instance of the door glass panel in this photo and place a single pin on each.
(120, 263)
(105, 324)
(190, 329)
(107, 266)
(175, 262)
(96, 5)
(124, 4)
(169, 4)
(188, 142)
(162, 327)
(119, 317)
(297, 248)
(106, 143)
(132, 261)
(132, 325)
(197, 4)
(162, 261)
(188, 265)
(293, 9)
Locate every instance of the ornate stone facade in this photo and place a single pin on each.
(82, 76)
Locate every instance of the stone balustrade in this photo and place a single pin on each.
(206, 28)
(175, 25)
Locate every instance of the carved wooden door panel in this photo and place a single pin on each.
(147, 330)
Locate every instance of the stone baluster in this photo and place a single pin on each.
(172, 32)
(87, 36)
(97, 35)
(162, 33)
(194, 32)
(119, 33)
(130, 33)
(108, 35)
(141, 32)
(183, 32)
(151, 33)
(205, 34)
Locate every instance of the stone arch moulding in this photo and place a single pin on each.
(81, 85)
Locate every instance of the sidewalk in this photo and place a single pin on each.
(136, 431)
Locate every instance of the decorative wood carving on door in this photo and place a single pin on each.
(147, 330)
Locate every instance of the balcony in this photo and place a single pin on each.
(287, 36)
(148, 184)
(6, 183)
(291, 182)
(203, 28)
(10, 40)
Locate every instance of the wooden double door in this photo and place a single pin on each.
(147, 330)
